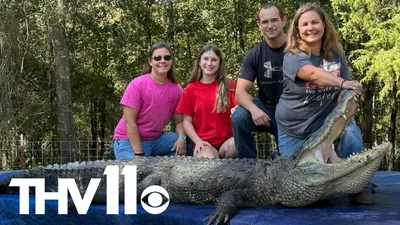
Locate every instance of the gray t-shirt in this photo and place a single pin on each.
(304, 105)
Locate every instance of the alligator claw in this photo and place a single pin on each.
(210, 219)
(217, 218)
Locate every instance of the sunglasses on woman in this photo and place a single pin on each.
(159, 57)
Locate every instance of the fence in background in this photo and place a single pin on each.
(20, 154)
(17, 154)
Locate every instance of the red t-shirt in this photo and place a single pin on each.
(198, 102)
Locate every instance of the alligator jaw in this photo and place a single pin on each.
(320, 143)
(348, 170)
(318, 159)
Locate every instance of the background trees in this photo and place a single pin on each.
(97, 47)
(370, 30)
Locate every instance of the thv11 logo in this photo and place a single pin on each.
(155, 195)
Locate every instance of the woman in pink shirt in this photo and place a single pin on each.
(148, 103)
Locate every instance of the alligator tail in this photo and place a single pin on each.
(5, 179)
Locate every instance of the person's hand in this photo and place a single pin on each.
(180, 147)
(233, 109)
(139, 156)
(260, 118)
(201, 145)
(354, 85)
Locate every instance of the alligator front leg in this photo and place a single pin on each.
(152, 179)
(230, 202)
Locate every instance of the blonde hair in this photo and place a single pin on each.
(330, 41)
(222, 101)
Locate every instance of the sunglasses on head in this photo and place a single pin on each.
(159, 57)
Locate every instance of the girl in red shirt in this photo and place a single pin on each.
(206, 105)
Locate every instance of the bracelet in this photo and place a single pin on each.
(139, 154)
(183, 137)
(341, 85)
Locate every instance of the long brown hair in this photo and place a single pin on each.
(330, 41)
(222, 101)
(147, 67)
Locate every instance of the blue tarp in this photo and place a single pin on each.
(336, 210)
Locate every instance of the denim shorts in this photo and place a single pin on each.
(159, 146)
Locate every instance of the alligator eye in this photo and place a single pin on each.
(155, 199)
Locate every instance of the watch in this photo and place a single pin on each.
(182, 136)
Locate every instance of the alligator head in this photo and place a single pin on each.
(317, 172)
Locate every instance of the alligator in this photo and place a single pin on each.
(295, 181)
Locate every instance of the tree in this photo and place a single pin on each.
(59, 44)
(371, 31)
(10, 64)
(384, 66)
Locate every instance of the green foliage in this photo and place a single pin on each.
(371, 30)
(380, 55)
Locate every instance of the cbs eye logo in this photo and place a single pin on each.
(154, 199)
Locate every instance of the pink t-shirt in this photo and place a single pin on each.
(156, 104)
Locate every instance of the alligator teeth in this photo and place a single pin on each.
(318, 154)
(355, 98)
(344, 117)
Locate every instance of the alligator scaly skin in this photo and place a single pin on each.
(236, 183)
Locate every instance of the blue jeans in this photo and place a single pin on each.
(243, 126)
(158, 147)
(350, 141)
